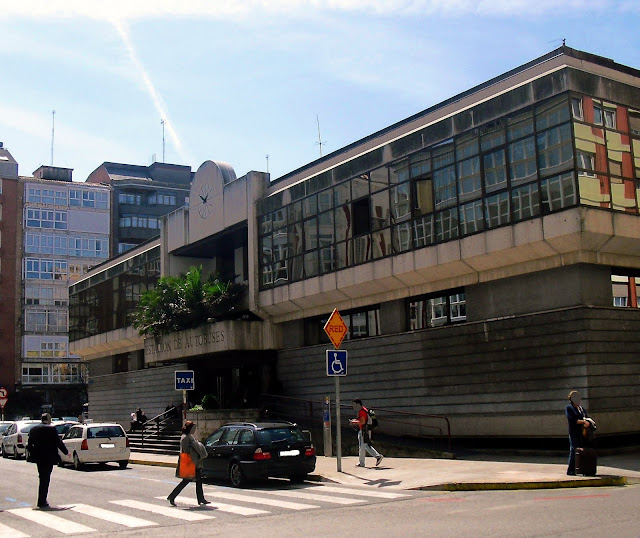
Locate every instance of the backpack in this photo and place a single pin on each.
(372, 422)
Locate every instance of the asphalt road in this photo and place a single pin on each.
(105, 500)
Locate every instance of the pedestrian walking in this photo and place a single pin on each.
(195, 450)
(577, 422)
(364, 438)
(43, 446)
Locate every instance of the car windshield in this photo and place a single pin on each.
(62, 428)
(274, 435)
(104, 431)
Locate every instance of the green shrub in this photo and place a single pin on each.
(209, 401)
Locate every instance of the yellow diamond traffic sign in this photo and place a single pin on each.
(336, 328)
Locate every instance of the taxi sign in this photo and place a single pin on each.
(336, 328)
(185, 380)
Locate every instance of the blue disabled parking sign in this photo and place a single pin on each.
(185, 380)
(336, 362)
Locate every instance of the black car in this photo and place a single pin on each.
(247, 451)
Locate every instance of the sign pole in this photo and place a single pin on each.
(184, 404)
(338, 424)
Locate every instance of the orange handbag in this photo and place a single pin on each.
(186, 468)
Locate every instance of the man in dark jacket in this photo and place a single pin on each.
(43, 446)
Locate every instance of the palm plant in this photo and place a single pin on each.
(186, 301)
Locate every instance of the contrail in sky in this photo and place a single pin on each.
(151, 90)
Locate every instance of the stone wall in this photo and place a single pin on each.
(499, 378)
(113, 397)
(209, 421)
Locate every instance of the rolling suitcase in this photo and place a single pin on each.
(586, 461)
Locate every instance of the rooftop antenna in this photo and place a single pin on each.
(267, 156)
(53, 130)
(319, 142)
(163, 121)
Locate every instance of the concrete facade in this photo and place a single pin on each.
(476, 251)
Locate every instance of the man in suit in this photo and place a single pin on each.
(43, 446)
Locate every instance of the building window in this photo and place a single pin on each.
(361, 216)
(587, 162)
(361, 323)
(41, 321)
(129, 198)
(434, 310)
(43, 218)
(576, 108)
(43, 269)
(123, 247)
(161, 199)
(597, 114)
(625, 290)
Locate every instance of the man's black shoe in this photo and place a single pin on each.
(44, 506)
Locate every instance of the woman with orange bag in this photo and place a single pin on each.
(192, 452)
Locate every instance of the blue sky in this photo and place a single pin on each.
(239, 80)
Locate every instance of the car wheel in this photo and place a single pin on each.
(123, 464)
(236, 475)
(27, 456)
(76, 462)
(4, 453)
(298, 478)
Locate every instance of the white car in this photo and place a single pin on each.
(14, 439)
(95, 443)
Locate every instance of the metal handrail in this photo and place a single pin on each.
(157, 420)
(389, 415)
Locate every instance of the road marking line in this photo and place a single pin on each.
(570, 497)
(8, 532)
(163, 510)
(232, 509)
(363, 493)
(107, 515)
(314, 497)
(259, 500)
(49, 520)
(442, 500)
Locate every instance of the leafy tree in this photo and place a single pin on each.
(185, 302)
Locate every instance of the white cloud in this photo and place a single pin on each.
(150, 88)
(242, 9)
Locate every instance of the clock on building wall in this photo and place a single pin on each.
(203, 203)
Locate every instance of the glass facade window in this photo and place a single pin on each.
(434, 310)
(558, 153)
(107, 300)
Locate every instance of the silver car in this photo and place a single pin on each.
(14, 439)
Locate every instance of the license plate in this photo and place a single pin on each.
(290, 453)
(107, 445)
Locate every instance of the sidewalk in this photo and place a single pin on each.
(483, 472)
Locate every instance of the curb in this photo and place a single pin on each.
(554, 484)
(154, 463)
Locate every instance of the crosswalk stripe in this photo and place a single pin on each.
(231, 508)
(107, 515)
(163, 510)
(259, 500)
(8, 532)
(313, 497)
(363, 493)
(49, 520)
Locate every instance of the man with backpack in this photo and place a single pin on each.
(365, 424)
